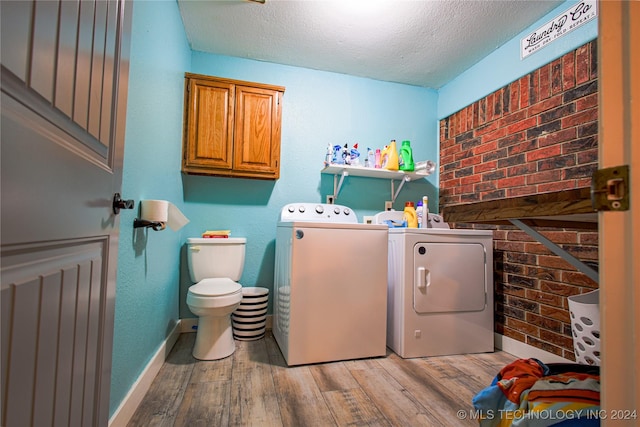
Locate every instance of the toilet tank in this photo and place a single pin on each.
(213, 258)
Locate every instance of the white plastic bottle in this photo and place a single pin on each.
(371, 156)
(425, 212)
(420, 213)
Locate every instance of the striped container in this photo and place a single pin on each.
(249, 321)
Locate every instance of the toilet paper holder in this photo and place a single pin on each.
(143, 223)
(119, 203)
(157, 214)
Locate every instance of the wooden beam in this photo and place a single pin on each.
(568, 209)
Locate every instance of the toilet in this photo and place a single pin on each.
(215, 265)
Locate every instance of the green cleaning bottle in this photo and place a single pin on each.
(406, 157)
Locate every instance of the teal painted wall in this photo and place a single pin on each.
(148, 274)
(504, 64)
(319, 108)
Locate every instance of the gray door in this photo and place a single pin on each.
(64, 83)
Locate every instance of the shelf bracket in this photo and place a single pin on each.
(579, 265)
(337, 186)
(394, 193)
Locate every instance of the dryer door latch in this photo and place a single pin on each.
(423, 278)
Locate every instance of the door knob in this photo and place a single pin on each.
(119, 203)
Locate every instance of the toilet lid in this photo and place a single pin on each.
(215, 287)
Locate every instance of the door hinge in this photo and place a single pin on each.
(610, 189)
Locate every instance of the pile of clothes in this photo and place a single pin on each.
(530, 393)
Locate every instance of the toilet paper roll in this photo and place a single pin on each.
(163, 211)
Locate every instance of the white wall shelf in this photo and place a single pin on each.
(343, 171)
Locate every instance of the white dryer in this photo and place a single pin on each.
(440, 292)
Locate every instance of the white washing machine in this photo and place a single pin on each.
(440, 293)
(330, 285)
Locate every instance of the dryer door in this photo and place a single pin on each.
(449, 277)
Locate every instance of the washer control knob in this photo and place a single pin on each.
(319, 209)
(301, 209)
(347, 211)
(336, 211)
(292, 209)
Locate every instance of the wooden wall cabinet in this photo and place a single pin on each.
(232, 128)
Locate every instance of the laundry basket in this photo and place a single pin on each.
(584, 310)
(249, 320)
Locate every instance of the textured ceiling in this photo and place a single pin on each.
(417, 42)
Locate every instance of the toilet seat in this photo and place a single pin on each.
(215, 287)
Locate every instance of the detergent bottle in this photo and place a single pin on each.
(410, 215)
(389, 157)
(406, 157)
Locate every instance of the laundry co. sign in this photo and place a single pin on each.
(579, 14)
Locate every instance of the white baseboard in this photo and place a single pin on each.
(129, 404)
(526, 351)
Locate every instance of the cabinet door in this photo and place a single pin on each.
(209, 135)
(257, 132)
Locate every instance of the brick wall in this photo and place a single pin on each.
(537, 134)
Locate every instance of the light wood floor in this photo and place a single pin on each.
(254, 387)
